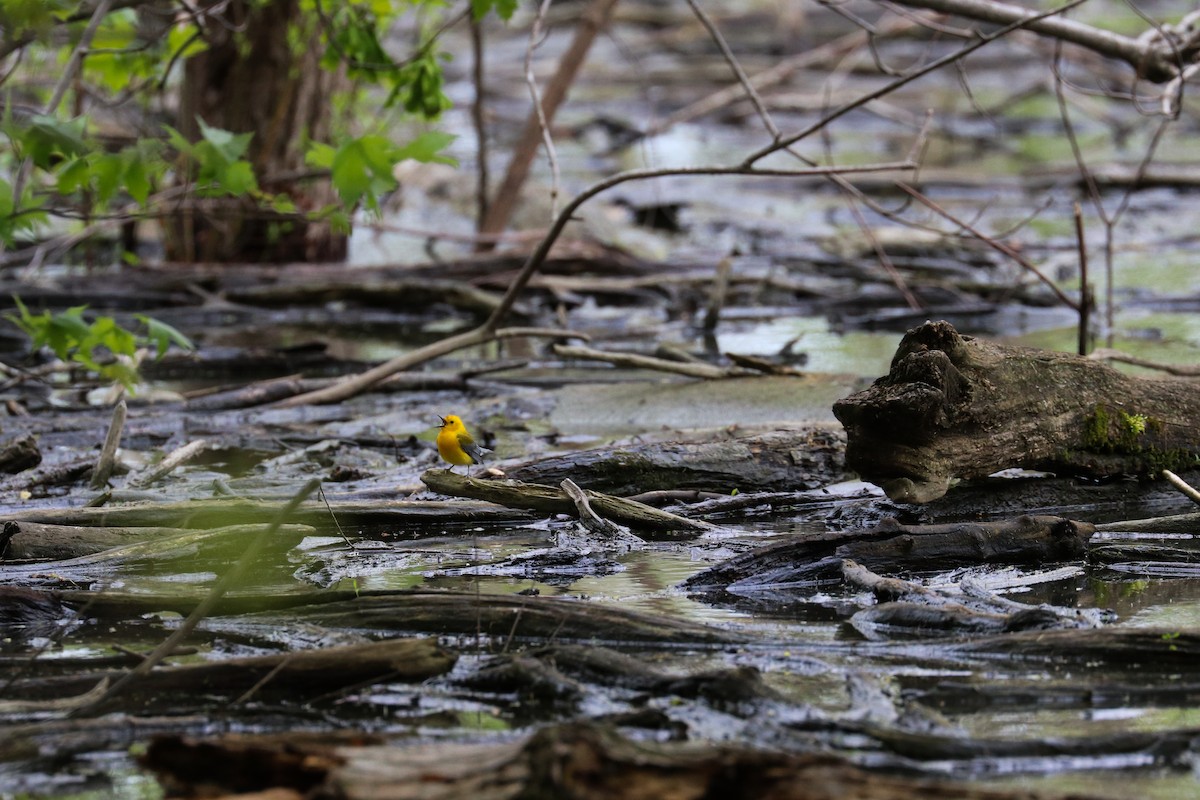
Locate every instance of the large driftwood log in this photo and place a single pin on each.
(578, 761)
(291, 675)
(955, 406)
(783, 460)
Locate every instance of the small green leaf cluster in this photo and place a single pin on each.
(361, 168)
(72, 167)
(217, 160)
(74, 339)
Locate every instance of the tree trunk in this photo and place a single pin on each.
(954, 406)
(260, 75)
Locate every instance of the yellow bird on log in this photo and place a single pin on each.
(455, 444)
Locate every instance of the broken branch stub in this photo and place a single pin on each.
(957, 407)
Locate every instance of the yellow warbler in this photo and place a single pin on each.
(455, 444)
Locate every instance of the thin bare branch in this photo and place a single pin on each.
(892, 86)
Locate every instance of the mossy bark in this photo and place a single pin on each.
(957, 407)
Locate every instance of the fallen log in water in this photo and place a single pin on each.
(212, 513)
(505, 617)
(575, 760)
(892, 547)
(957, 407)
(224, 544)
(294, 676)
(783, 460)
(112, 545)
(515, 494)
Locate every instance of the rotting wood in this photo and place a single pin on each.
(223, 543)
(806, 457)
(293, 675)
(109, 546)
(19, 454)
(954, 406)
(505, 618)
(892, 547)
(905, 606)
(217, 512)
(592, 521)
(550, 499)
(1169, 650)
(572, 760)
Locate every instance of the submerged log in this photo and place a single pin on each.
(892, 547)
(288, 675)
(577, 760)
(953, 406)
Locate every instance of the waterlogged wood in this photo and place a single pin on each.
(892, 547)
(784, 460)
(36, 540)
(1168, 650)
(20, 454)
(209, 513)
(158, 545)
(954, 406)
(574, 760)
(293, 676)
(506, 617)
(554, 500)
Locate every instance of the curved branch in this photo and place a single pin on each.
(1152, 58)
(490, 329)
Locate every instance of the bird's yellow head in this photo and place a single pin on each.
(451, 422)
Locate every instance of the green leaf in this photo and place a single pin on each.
(231, 146)
(48, 141)
(107, 171)
(238, 179)
(162, 335)
(351, 173)
(504, 8)
(74, 176)
(427, 147)
(320, 155)
(137, 182)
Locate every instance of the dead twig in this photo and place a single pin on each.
(108, 453)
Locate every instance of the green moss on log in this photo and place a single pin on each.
(1118, 432)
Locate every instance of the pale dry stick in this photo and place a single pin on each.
(639, 361)
(1153, 61)
(992, 243)
(176, 458)
(891, 86)
(205, 606)
(500, 210)
(108, 453)
(535, 33)
(355, 384)
(489, 331)
(742, 79)
(1108, 354)
(1182, 485)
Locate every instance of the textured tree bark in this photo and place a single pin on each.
(260, 74)
(957, 407)
(576, 761)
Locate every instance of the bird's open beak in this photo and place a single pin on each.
(442, 419)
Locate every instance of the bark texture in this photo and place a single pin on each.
(957, 407)
(260, 75)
